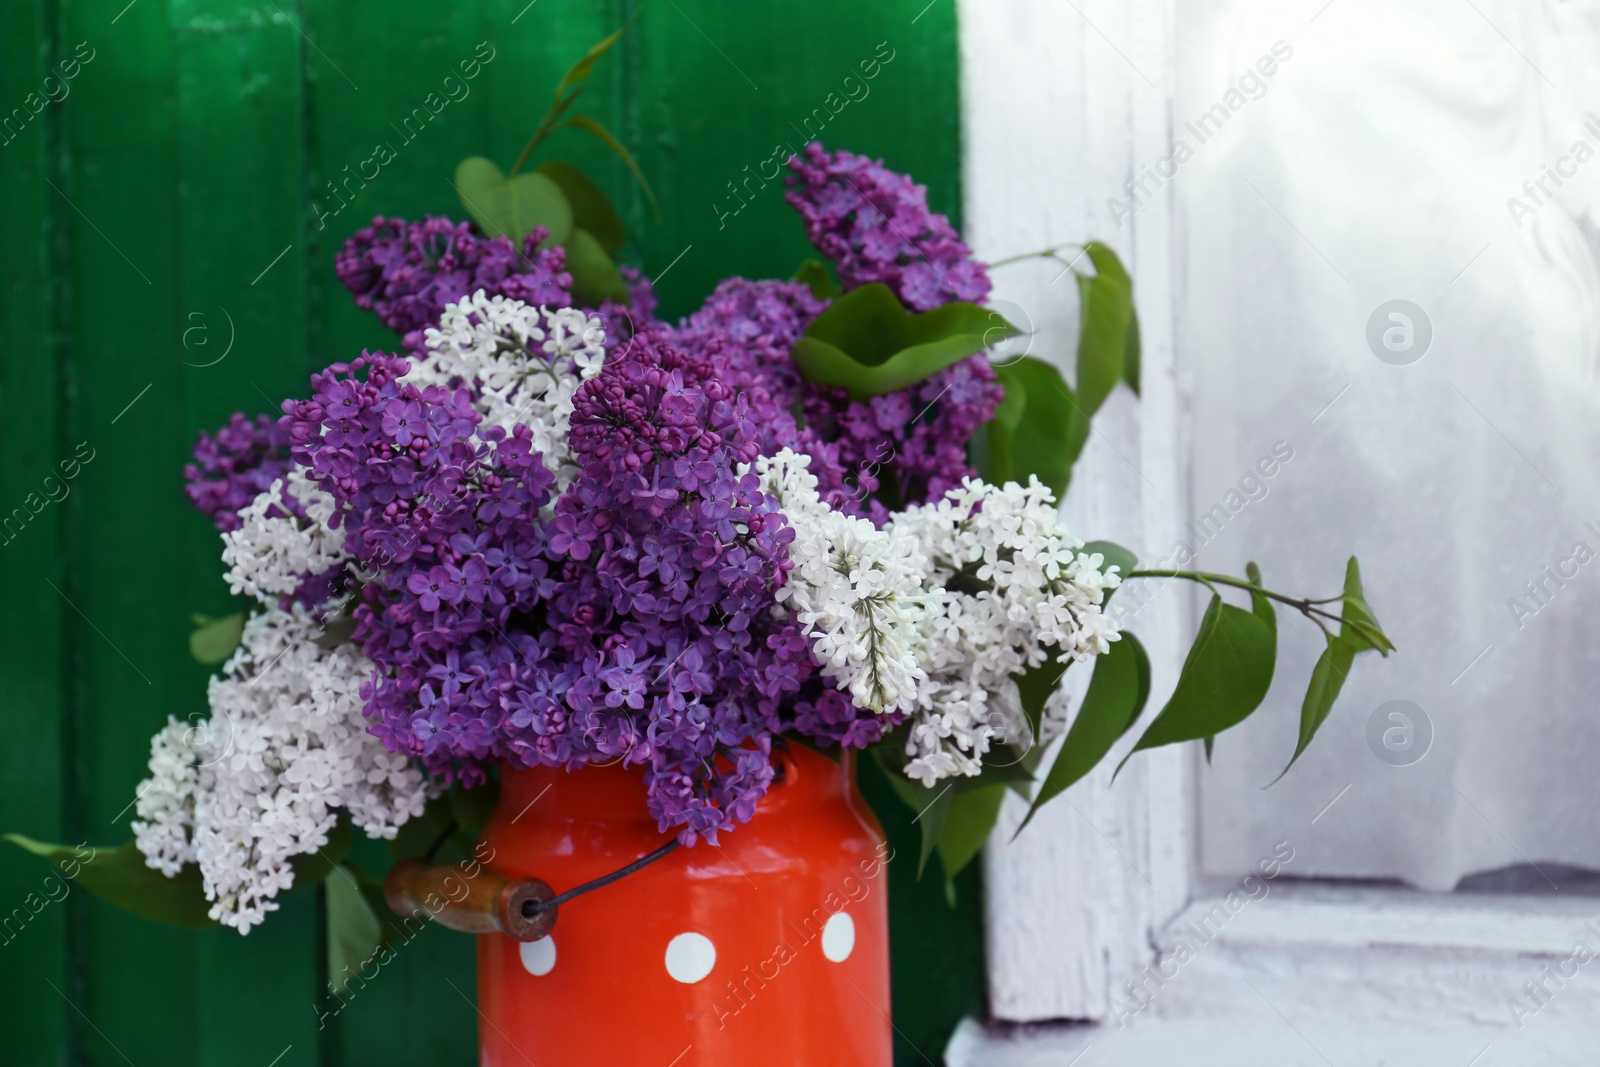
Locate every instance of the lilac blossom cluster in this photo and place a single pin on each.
(445, 522)
(635, 621)
(234, 465)
(910, 446)
(633, 610)
(875, 225)
(408, 272)
(868, 456)
(662, 644)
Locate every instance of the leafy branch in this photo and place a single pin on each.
(1312, 609)
(556, 196)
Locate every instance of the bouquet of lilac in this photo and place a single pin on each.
(557, 530)
(544, 543)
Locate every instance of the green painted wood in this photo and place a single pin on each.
(128, 579)
(428, 113)
(204, 139)
(724, 94)
(33, 917)
(240, 134)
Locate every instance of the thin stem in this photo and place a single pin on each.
(546, 128)
(444, 835)
(1309, 608)
(1047, 253)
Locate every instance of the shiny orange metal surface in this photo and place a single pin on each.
(769, 948)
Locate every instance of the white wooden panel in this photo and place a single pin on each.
(1060, 102)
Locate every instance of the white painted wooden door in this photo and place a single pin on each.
(1277, 175)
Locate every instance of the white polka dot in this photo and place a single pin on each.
(690, 957)
(839, 937)
(539, 957)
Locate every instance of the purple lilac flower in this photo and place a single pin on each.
(664, 568)
(407, 272)
(906, 447)
(874, 224)
(449, 524)
(636, 622)
(236, 464)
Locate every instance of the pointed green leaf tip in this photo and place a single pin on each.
(1358, 632)
(818, 277)
(869, 343)
(355, 930)
(1108, 332)
(1116, 697)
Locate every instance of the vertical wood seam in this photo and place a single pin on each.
(328, 1037)
(57, 296)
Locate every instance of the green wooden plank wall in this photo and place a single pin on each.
(175, 176)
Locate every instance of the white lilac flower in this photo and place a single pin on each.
(262, 780)
(273, 550)
(937, 612)
(1015, 586)
(857, 591)
(522, 363)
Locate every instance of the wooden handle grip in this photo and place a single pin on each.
(477, 902)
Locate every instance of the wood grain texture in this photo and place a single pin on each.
(207, 168)
(1060, 105)
(33, 675)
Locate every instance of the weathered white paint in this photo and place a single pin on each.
(1343, 976)
(1062, 103)
(1055, 119)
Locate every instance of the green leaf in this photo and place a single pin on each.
(932, 806)
(932, 818)
(591, 209)
(339, 630)
(215, 639)
(1365, 633)
(416, 836)
(1039, 428)
(579, 72)
(1132, 355)
(1107, 308)
(354, 930)
(1333, 666)
(992, 449)
(1116, 697)
(119, 876)
(1004, 765)
(1035, 685)
(967, 824)
(598, 131)
(594, 276)
(511, 207)
(1114, 555)
(1224, 678)
(1327, 678)
(471, 808)
(818, 277)
(869, 343)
